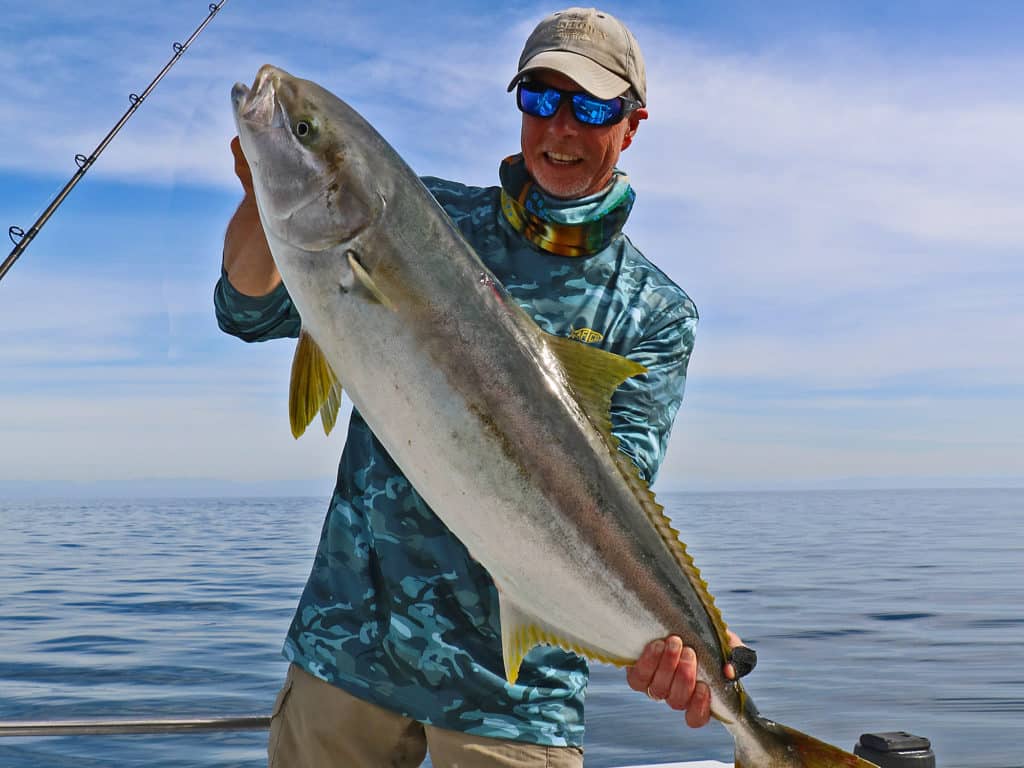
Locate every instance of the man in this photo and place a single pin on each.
(395, 646)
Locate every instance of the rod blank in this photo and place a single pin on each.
(110, 727)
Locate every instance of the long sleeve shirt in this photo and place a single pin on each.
(395, 610)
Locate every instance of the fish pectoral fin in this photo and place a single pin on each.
(520, 632)
(364, 279)
(593, 375)
(314, 388)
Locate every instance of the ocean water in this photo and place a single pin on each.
(870, 611)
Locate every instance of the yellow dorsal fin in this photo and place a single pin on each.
(521, 632)
(366, 281)
(314, 387)
(593, 376)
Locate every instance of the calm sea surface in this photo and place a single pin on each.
(871, 611)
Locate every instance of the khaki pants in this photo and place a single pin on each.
(317, 725)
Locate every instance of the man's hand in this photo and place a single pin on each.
(667, 671)
(247, 260)
(242, 170)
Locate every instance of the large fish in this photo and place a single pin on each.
(503, 429)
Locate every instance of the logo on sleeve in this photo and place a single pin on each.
(586, 335)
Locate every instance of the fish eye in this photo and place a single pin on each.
(303, 129)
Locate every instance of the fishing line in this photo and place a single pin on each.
(19, 236)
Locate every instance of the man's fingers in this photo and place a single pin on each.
(661, 684)
(684, 680)
(699, 711)
(639, 675)
(668, 670)
(242, 170)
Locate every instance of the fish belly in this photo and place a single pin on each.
(540, 561)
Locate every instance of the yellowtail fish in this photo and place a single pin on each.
(503, 429)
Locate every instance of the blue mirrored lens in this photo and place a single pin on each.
(539, 103)
(594, 111)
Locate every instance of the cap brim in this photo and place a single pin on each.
(591, 76)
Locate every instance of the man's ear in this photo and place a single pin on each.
(634, 123)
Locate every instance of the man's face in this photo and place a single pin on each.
(567, 158)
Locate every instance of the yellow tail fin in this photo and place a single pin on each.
(778, 746)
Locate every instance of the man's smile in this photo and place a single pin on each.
(559, 158)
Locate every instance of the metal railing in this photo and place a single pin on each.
(108, 727)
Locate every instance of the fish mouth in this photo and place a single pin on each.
(259, 106)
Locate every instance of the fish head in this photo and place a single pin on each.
(310, 176)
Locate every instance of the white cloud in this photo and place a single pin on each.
(936, 338)
(856, 220)
(89, 319)
(861, 151)
(764, 442)
(846, 222)
(404, 75)
(128, 435)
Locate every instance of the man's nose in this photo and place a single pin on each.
(564, 122)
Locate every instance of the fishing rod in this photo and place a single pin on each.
(20, 237)
(108, 727)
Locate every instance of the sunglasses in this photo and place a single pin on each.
(543, 101)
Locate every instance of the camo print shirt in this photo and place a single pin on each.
(396, 611)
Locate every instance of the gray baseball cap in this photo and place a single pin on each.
(590, 46)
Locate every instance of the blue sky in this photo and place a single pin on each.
(838, 186)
